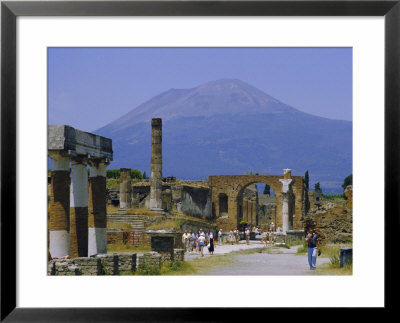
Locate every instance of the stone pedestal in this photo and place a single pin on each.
(163, 243)
(346, 256)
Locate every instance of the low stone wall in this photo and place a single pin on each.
(149, 260)
(101, 265)
(179, 254)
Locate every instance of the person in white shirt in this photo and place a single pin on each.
(247, 235)
(231, 237)
(220, 237)
(202, 239)
(185, 240)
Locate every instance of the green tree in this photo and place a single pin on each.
(136, 173)
(112, 173)
(267, 189)
(306, 180)
(145, 175)
(347, 181)
(317, 186)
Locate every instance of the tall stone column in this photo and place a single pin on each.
(125, 187)
(97, 235)
(285, 201)
(79, 209)
(59, 206)
(156, 165)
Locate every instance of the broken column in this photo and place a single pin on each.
(59, 206)
(125, 187)
(97, 235)
(156, 165)
(285, 201)
(79, 209)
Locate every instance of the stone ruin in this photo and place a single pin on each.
(77, 206)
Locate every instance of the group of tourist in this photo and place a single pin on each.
(234, 235)
(195, 242)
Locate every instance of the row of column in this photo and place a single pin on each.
(77, 208)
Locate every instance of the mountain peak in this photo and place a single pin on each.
(222, 96)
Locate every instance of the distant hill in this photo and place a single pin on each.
(230, 127)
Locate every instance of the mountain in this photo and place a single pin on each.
(230, 127)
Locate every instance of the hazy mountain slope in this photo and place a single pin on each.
(230, 127)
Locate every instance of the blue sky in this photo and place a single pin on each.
(90, 87)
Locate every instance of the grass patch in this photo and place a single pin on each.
(328, 250)
(121, 247)
(303, 249)
(146, 270)
(292, 243)
(171, 268)
(334, 269)
(112, 182)
(332, 250)
(112, 209)
(118, 225)
(167, 224)
(338, 197)
(126, 273)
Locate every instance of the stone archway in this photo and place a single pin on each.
(233, 185)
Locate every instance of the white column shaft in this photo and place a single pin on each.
(59, 243)
(79, 185)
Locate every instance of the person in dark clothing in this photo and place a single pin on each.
(211, 242)
(313, 243)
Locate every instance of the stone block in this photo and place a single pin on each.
(71, 141)
(346, 256)
(127, 262)
(179, 254)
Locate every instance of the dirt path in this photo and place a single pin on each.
(277, 261)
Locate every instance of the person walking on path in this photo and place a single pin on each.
(220, 237)
(185, 240)
(271, 233)
(247, 235)
(210, 243)
(231, 237)
(313, 243)
(202, 239)
(192, 239)
(237, 236)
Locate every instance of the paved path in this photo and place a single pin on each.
(277, 261)
(225, 248)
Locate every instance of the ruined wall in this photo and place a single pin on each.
(267, 209)
(181, 198)
(333, 221)
(232, 186)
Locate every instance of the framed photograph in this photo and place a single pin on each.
(125, 53)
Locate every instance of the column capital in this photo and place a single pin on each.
(98, 169)
(58, 161)
(287, 173)
(79, 160)
(286, 184)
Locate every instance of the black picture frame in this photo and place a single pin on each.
(10, 10)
